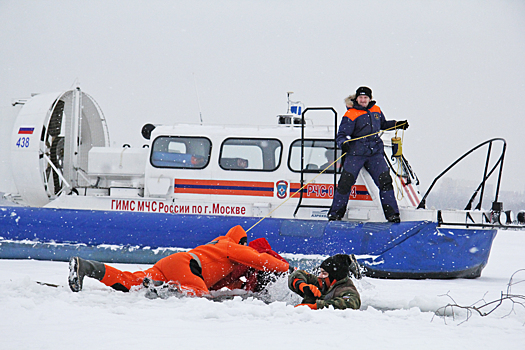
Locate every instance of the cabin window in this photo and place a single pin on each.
(180, 152)
(250, 154)
(318, 155)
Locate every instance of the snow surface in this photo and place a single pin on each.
(396, 314)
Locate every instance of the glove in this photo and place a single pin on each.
(311, 306)
(403, 124)
(309, 291)
(345, 147)
(291, 269)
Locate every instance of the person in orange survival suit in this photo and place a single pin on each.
(195, 271)
(248, 278)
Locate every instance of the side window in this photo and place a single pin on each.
(180, 152)
(318, 155)
(250, 154)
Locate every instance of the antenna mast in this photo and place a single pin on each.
(289, 102)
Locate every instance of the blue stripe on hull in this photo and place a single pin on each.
(222, 187)
(398, 249)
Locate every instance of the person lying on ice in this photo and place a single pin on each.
(193, 271)
(331, 287)
(247, 278)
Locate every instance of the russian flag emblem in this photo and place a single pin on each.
(26, 131)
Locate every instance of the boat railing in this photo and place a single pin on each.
(303, 124)
(496, 206)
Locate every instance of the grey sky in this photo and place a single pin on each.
(454, 69)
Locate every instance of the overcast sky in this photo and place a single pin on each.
(455, 69)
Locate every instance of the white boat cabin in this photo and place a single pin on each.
(62, 141)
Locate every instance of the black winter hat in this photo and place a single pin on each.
(363, 90)
(337, 266)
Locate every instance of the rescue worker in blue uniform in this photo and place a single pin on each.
(362, 118)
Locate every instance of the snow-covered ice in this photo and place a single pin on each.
(396, 314)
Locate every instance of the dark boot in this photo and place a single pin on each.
(334, 218)
(394, 218)
(391, 214)
(80, 268)
(338, 215)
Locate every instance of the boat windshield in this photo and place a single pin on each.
(180, 152)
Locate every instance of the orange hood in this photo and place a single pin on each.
(236, 234)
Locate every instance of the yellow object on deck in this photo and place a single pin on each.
(397, 146)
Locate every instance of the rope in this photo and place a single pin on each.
(315, 177)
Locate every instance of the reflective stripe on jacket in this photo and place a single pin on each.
(359, 121)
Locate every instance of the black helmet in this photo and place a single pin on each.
(337, 266)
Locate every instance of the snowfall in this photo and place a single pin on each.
(395, 314)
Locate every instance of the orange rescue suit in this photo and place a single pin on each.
(217, 259)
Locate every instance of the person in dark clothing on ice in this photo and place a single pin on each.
(365, 119)
(332, 287)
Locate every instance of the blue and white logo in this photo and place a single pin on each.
(282, 188)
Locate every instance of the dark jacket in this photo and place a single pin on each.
(341, 295)
(360, 121)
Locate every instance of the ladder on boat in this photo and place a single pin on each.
(302, 182)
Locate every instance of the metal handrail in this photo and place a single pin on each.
(299, 203)
(422, 204)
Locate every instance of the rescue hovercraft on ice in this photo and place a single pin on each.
(191, 183)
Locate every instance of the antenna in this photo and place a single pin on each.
(289, 102)
(76, 84)
(198, 101)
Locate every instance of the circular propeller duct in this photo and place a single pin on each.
(52, 136)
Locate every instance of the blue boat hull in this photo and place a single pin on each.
(404, 250)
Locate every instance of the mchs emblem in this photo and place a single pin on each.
(282, 188)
